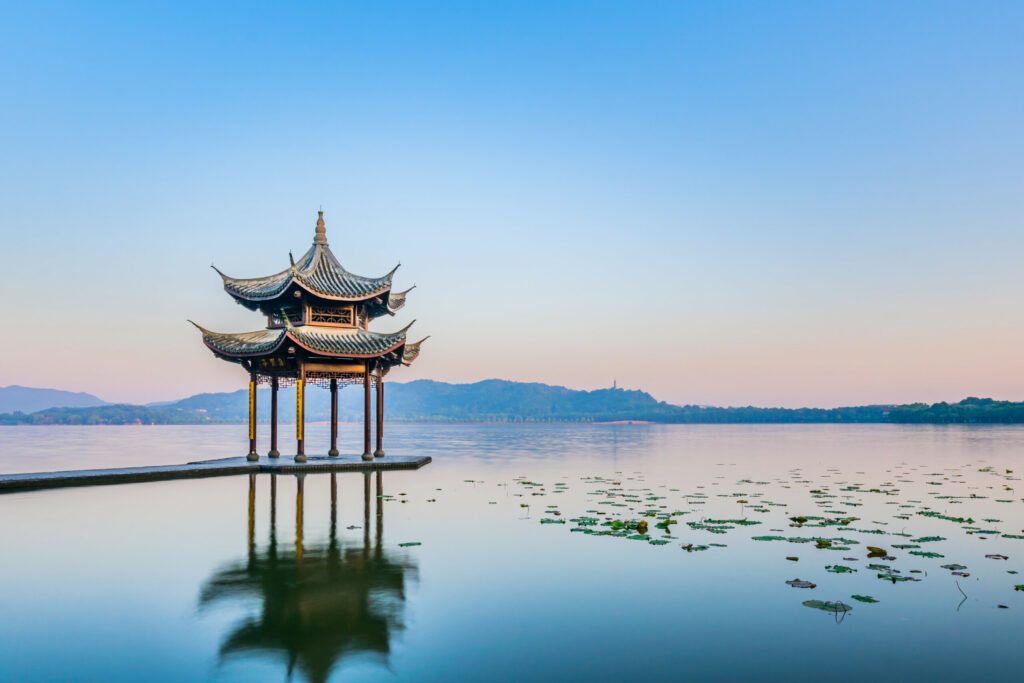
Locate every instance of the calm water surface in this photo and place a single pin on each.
(215, 580)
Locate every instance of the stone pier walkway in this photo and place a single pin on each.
(10, 483)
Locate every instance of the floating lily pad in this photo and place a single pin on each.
(896, 578)
(864, 598)
(409, 544)
(925, 553)
(800, 583)
(839, 569)
(738, 522)
(828, 606)
(713, 528)
(937, 515)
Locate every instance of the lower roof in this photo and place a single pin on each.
(337, 342)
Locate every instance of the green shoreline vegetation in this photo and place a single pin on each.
(505, 401)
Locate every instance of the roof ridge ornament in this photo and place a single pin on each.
(199, 327)
(321, 229)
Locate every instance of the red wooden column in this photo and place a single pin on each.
(300, 415)
(253, 455)
(367, 455)
(379, 453)
(274, 453)
(334, 419)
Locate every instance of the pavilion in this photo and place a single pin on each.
(318, 318)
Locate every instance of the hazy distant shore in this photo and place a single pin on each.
(501, 401)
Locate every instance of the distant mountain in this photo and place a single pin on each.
(491, 400)
(496, 400)
(503, 401)
(428, 401)
(30, 399)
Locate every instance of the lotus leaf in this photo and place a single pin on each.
(827, 606)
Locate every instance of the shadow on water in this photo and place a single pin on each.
(319, 603)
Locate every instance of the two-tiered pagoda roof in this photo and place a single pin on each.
(318, 310)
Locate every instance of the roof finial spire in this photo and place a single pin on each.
(321, 229)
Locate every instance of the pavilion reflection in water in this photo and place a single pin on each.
(319, 604)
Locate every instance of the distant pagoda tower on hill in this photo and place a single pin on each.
(318, 317)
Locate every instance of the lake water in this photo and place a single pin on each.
(213, 580)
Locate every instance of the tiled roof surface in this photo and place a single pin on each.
(317, 271)
(340, 342)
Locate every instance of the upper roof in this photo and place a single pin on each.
(318, 272)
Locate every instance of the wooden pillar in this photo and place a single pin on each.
(273, 514)
(379, 453)
(333, 542)
(300, 416)
(299, 486)
(334, 419)
(253, 455)
(252, 516)
(380, 511)
(366, 512)
(367, 455)
(274, 453)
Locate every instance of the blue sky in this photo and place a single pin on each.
(728, 203)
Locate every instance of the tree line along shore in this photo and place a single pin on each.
(505, 401)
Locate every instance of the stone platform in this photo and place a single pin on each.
(34, 481)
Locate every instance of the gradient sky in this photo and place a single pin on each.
(721, 203)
